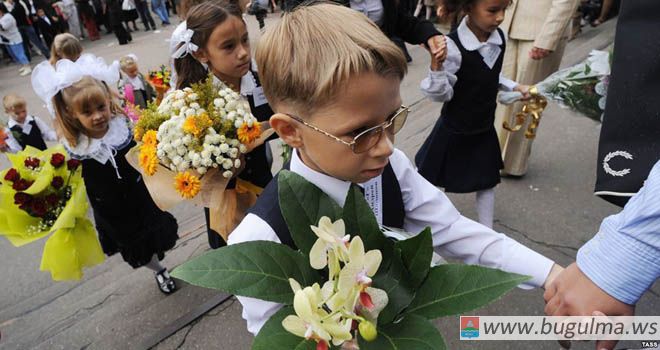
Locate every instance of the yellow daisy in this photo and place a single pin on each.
(248, 134)
(197, 124)
(187, 184)
(150, 139)
(148, 159)
(138, 133)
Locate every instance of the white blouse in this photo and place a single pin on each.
(454, 236)
(439, 85)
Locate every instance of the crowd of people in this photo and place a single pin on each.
(345, 104)
(28, 27)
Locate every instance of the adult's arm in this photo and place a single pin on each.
(555, 24)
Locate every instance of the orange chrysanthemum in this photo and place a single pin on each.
(148, 159)
(197, 124)
(248, 134)
(150, 139)
(187, 184)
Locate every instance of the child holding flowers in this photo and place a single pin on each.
(338, 106)
(462, 153)
(94, 131)
(216, 41)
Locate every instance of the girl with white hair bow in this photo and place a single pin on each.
(94, 130)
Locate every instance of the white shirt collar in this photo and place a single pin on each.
(248, 84)
(26, 126)
(470, 41)
(101, 150)
(333, 187)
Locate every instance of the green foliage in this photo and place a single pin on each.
(274, 336)
(413, 332)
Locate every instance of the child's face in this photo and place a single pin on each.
(367, 100)
(487, 15)
(18, 113)
(132, 71)
(94, 118)
(228, 50)
(41, 13)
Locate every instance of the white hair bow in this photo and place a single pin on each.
(47, 80)
(181, 43)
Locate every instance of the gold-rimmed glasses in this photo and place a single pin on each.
(367, 139)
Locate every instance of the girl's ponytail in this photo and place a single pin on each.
(189, 71)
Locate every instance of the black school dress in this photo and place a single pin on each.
(462, 153)
(127, 219)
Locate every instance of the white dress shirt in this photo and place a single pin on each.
(47, 133)
(9, 30)
(135, 82)
(439, 85)
(454, 236)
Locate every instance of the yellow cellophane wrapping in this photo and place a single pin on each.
(74, 244)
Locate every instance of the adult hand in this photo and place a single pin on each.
(438, 47)
(537, 53)
(572, 293)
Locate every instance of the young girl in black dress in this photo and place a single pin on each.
(222, 47)
(95, 132)
(462, 153)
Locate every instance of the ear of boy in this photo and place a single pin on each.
(287, 129)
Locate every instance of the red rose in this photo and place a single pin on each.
(57, 160)
(57, 182)
(38, 207)
(12, 175)
(32, 163)
(21, 198)
(52, 199)
(72, 164)
(21, 185)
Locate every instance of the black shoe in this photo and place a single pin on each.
(165, 282)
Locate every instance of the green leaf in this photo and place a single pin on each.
(360, 220)
(273, 336)
(417, 253)
(411, 333)
(395, 280)
(257, 269)
(454, 289)
(302, 205)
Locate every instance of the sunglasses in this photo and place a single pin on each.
(367, 139)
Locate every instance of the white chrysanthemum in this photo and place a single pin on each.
(237, 163)
(201, 170)
(227, 164)
(227, 174)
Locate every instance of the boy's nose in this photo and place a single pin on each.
(385, 146)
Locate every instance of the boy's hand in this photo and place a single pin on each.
(554, 272)
(524, 90)
(438, 52)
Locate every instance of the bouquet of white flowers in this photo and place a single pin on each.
(197, 137)
(582, 88)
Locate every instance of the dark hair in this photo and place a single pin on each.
(202, 19)
(3, 8)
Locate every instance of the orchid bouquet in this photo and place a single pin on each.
(44, 193)
(346, 284)
(582, 87)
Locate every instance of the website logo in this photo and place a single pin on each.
(469, 327)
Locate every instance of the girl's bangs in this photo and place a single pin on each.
(90, 97)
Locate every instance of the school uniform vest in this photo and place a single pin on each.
(472, 108)
(34, 138)
(268, 206)
(257, 169)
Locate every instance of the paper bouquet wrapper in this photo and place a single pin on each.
(73, 244)
(227, 207)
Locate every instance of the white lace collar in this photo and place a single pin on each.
(103, 149)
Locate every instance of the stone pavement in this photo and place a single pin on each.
(552, 210)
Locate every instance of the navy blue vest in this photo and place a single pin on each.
(472, 108)
(268, 206)
(34, 138)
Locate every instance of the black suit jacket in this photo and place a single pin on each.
(20, 15)
(38, 4)
(398, 22)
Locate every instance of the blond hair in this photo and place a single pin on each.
(127, 61)
(11, 101)
(65, 46)
(83, 95)
(306, 58)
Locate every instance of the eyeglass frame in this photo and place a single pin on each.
(383, 126)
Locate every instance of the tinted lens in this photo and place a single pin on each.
(399, 120)
(367, 140)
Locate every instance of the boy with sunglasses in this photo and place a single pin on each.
(337, 103)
